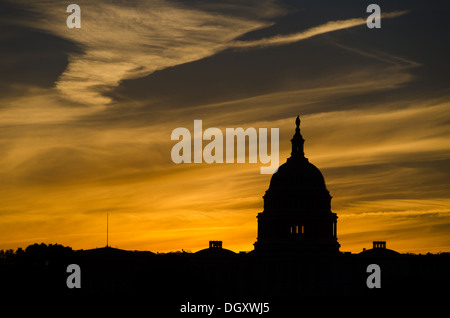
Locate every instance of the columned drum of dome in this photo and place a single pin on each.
(297, 213)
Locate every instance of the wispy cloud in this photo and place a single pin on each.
(311, 32)
(126, 42)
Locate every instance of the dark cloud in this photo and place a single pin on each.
(392, 180)
(238, 74)
(29, 57)
(317, 62)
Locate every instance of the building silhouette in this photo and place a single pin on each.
(296, 254)
(297, 213)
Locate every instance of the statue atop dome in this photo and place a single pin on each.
(297, 142)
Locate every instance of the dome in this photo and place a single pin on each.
(297, 213)
(379, 250)
(297, 186)
(297, 174)
(215, 250)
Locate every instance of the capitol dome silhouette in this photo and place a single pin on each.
(297, 175)
(297, 213)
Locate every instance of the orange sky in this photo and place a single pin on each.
(86, 120)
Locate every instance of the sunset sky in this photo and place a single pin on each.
(86, 117)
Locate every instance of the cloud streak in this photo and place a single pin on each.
(331, 26)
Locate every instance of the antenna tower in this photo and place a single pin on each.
(107, 221)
